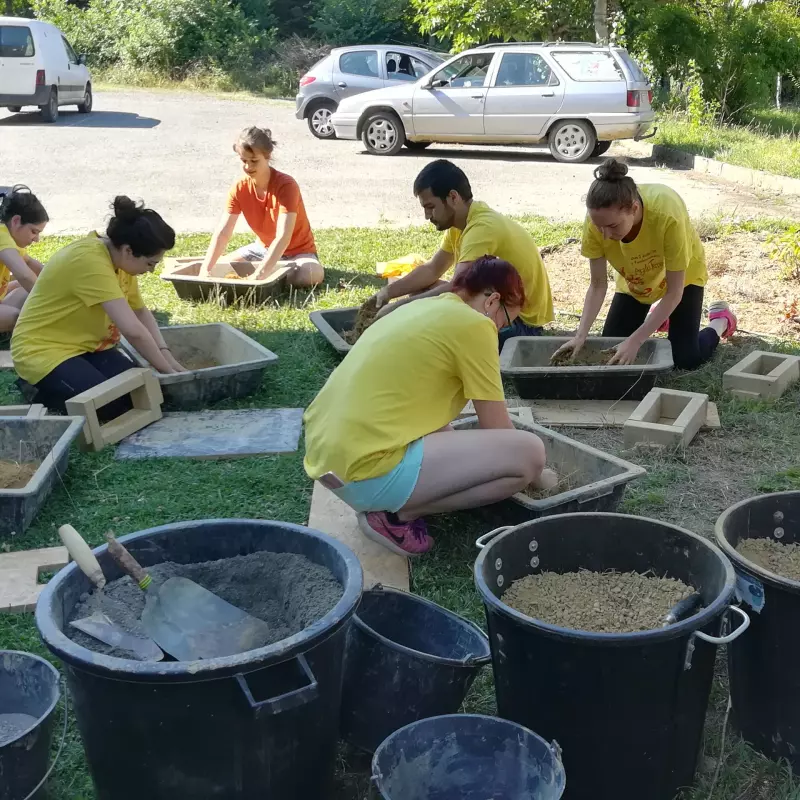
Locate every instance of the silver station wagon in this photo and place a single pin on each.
(576, 97)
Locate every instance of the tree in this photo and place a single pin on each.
(343, 22)
(601, 21)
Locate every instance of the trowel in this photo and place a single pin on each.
(187, 620)
(98, 625)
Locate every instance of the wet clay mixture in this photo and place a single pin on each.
(364, 318)
(564, 483)
(199, 362)
(286, 590)
(600, 602)
(12, 725)
(782, 559)
(586, 358)
(14, 475)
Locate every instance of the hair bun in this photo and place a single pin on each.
(612, 169)
(126, 209)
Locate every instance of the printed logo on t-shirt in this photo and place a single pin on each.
(111, 340)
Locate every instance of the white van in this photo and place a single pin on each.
(38, 67)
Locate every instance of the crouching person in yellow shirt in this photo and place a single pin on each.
(378, 433)
(66, 336)
(22, 220)
(646, 235)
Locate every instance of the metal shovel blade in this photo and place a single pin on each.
(190, 623)
(100, 627)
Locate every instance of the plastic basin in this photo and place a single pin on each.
(241, 364)
(332, 323)
(526, 361)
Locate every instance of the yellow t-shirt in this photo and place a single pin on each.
(7, 243)
(408, 375)
(63, 316)
(667, 242)
(489, 233)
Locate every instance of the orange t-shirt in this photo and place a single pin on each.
(282, 197)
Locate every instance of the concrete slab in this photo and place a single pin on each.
(762, 375)
(666, 417)
(217, 434)
(20, 573)
(330, 515)
(5, 360)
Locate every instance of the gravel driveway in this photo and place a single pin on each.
(174, 151)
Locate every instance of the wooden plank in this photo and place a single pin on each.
(19, 576)
(330, 515)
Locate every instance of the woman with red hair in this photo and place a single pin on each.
(379, 435)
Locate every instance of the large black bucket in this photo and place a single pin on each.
(260, 725)
(407, 659)
(28, 696)
(467, 757)
(627, 709)
(764, 666)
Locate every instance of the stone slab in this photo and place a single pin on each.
(19, 576)
(330, 515)
(666, 417)
(5, 360)
(217, 434)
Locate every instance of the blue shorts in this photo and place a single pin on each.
(388, 492)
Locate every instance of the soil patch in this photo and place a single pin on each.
(782, 559)
(199, 361)
(12, 725)
(286, 590)
(600, 602)
(588, 358)
(232, 276)
(14, 475)
(365, 316)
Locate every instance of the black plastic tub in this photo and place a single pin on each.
(332, 323)
(627, 709)
(764, 666)
(29, 693)
(407, 659)
(467, 757)
(260, 725)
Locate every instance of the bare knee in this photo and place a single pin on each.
(530, 457)
(305, 274)
(8, 318)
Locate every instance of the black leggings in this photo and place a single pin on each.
(690, 348)
(76, 375)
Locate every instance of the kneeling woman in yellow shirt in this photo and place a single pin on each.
(22, 220)
(646, 235)
(65, 339)
(378, 433)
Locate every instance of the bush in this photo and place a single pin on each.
(785, 249)
(343, 22)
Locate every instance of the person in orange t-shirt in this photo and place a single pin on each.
(273, 207)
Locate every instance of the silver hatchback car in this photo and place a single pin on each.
(347, 71)
(576, 97)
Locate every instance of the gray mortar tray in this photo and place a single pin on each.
(242, 364)
(27, 438)
(183, 274)
(603, 478)
(526, 361)
(332, 323)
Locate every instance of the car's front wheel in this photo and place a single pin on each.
(85, 106)
(319, 120)
(417, 145)
(15, 109)
(49, 111)
(600, 148)
(572, 141)
(383, 134)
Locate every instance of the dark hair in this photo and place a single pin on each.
(489, 273)
(22, 202)
(252, 139)
(443, 177)
(142, 229)
(612, 186)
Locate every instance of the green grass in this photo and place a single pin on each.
(769, 143)
(754, 451)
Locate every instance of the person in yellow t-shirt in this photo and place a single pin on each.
(471, 230)
(22, 220)
(379, 435)
(65, 339)
(646, 235)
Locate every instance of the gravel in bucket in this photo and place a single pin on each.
(12, 725)
(286, 590)
(772, 555)
(14, 475)
(597, 602)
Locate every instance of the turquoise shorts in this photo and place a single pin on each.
(388, 492)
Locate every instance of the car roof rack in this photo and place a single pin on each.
(539, 44)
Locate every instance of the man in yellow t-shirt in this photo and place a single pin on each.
(472, 230)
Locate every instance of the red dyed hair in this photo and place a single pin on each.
(491, 274)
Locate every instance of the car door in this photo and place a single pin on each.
(356, 71)
(17, 60)
(76, 73)
(524, 96)
(404, 67)
(451, 104)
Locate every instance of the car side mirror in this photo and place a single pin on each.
(437, 84)
(82, 59)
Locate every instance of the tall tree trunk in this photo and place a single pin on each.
(601, 21)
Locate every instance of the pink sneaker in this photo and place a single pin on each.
(721, 310)
(404, 538)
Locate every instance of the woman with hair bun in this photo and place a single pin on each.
(646, 235)
(379, 436)
(22, 220)
(65, 340)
